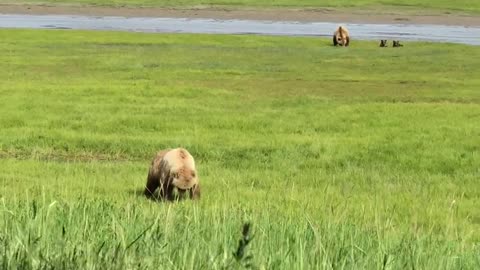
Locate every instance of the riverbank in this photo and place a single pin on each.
(300, 15)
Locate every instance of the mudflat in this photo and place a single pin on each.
(301, 15)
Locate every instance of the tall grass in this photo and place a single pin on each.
(96, 234)
(339, 158)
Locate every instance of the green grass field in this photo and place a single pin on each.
(341, 158)
(459, 5)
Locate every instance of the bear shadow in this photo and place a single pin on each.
(139, 192)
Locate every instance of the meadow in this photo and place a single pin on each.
(339, 158)
(418, 5)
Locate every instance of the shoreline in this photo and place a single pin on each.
(300, 15)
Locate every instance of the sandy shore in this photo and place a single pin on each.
(301, 15)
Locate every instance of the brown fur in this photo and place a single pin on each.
(341, 37)
(162, 175)
(383, 43)
(396, 43)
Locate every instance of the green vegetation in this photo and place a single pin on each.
(356, 158)
(459, 5)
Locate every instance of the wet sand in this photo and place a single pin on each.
(300, 15)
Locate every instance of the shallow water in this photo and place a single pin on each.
(404, 32)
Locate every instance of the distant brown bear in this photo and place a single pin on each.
(396, 43)
(341, 37)
(170, 169)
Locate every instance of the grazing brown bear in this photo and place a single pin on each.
(396, 43)
(341, 37)
(173, 169)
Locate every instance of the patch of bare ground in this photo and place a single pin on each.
(63, 156)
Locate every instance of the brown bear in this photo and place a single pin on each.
(173, 169)
(396, 43)
(341, 37)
